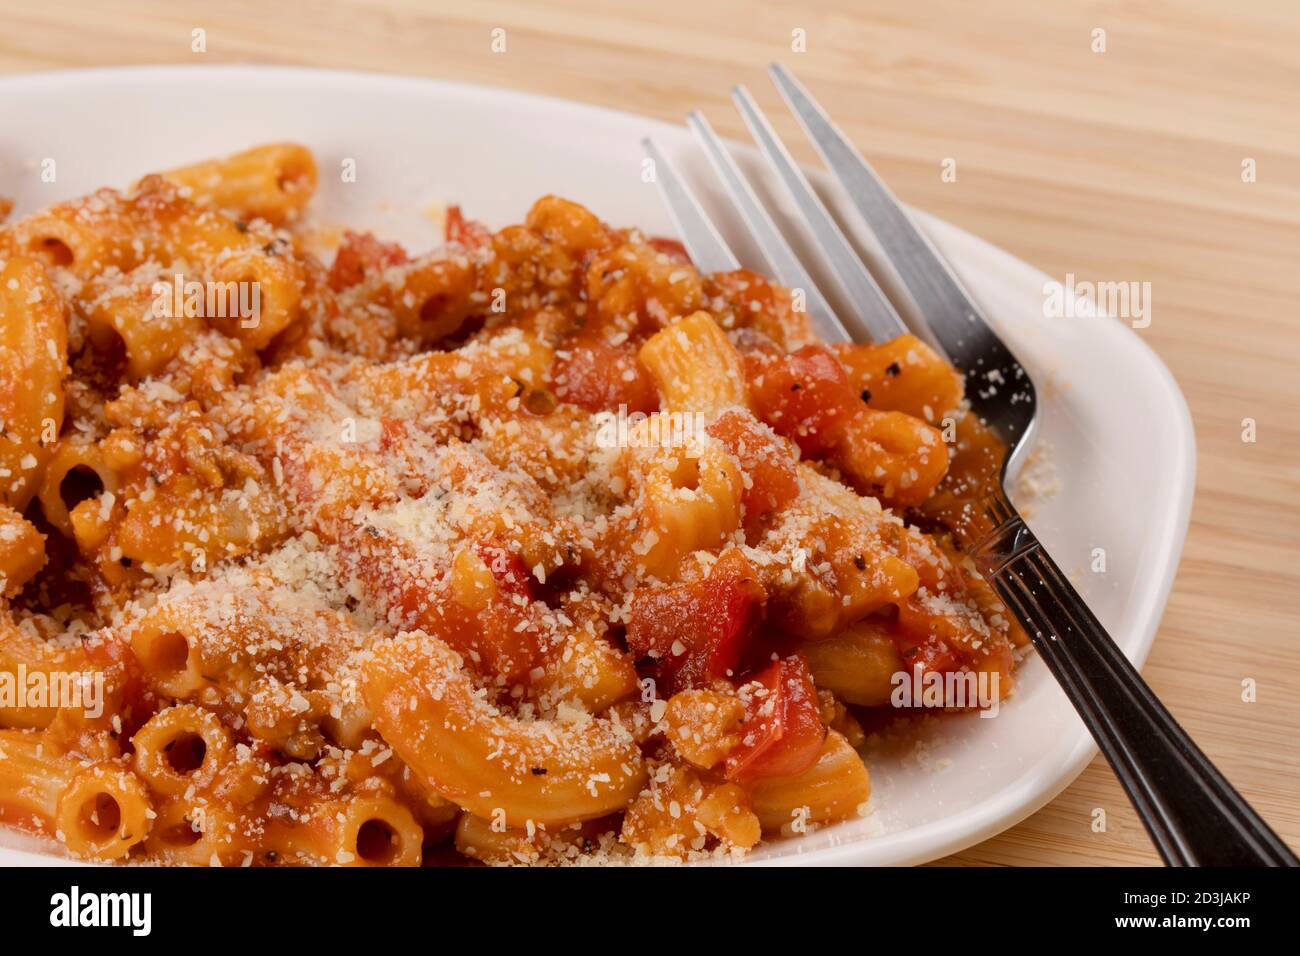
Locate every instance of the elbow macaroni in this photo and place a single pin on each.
(541, 546)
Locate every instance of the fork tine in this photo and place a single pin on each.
(781, 259)
(708, 249)
(875, 316)
(948, 310)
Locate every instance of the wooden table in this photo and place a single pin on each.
(1118, 165)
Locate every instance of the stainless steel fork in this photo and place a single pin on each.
(1193, 814)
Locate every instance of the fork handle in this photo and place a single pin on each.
(1193, 814)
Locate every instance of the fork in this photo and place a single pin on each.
(1194, 816)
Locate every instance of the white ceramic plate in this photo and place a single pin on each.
(1114, 422)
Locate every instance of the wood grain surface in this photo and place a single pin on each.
(1122, 165)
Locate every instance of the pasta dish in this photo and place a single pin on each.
(542, 547)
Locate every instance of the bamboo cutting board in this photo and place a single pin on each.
(1125, 154)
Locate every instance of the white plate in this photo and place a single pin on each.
(1115, 423)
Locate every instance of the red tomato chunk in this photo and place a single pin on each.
(696, 632)
(783, 731)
